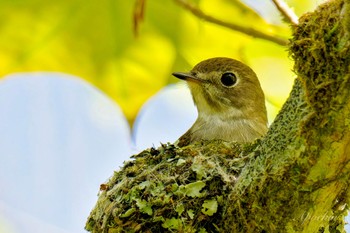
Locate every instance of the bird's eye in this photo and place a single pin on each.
(228, 79)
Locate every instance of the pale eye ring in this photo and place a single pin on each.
(228, 79)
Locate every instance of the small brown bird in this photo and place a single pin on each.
(229, 100)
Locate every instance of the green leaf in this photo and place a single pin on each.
(144, 206)
(157, 189)
(190, 213)
(210, 207)
(172, 223)
(199, 170)
(174, 187)
(180, 208)
(192, 189)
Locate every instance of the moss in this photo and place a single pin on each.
(170, 188)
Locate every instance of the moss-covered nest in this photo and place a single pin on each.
(170, 188)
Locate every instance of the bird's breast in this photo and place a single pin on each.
(240, 130)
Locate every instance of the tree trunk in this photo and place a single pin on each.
(295, 179)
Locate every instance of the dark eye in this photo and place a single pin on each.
(228, 79)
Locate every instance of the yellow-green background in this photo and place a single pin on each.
(95, 41)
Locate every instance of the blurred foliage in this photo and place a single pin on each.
(94, 40)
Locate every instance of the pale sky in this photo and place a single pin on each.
(60, 138)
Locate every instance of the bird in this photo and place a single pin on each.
(229, 99)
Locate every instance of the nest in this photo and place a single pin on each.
(170, 189)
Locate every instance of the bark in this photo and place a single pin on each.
(295, 179)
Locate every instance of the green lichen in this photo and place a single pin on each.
(170, 189)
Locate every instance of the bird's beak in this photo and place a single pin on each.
(187, 77)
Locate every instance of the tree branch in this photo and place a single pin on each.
(287, 13)
(245, 30)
